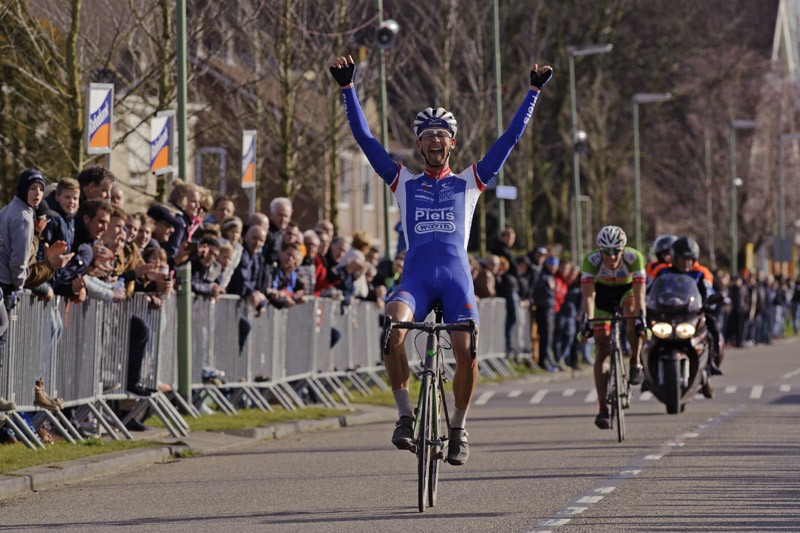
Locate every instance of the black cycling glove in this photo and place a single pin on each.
(586, 328)
(641, 325)
(540, 76)
(344, 76)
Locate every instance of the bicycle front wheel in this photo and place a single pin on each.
(438, 450)
(616, 400)
(424, 431)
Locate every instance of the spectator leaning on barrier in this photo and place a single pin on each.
(285, 284)
(205, 270)
(184, 201)
(307, 268)
(280, 213)
(42, 267)
(64, 200)
(544, 297)
(16, 243)
(95, 182)
(245, 278)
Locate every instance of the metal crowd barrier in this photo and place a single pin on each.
(285, 356)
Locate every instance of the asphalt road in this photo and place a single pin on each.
(537, 464)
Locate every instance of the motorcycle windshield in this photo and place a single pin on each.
(674, 292)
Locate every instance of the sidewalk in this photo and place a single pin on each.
(48, 476)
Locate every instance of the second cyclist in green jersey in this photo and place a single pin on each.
(613, 277)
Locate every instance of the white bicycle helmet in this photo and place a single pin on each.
(612, 237)
(435, 118)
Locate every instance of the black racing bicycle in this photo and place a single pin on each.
(618, 390)
(431, 417)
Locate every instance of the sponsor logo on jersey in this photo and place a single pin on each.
(430, 220)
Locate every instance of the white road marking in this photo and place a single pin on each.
(569, 392)
(630, 472)
(691, 435)
(791, 374)
(785, 388)
(605, 490)
(590, 499)
(591, 397)
(514, 393)
(645, 396)
(575, 510)
(539, 396)
(730, 389)
(654, 456)
(484, 397)
(756, 393)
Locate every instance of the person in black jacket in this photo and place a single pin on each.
(544, 297)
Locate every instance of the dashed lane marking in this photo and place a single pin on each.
(636, 465)
(646, 396)
(785, 388)
(791, 374)
(514, 393)
(730, 389)
(756, 392)
(569, 392)
(591, 397)
(539, 396)
(483, 399)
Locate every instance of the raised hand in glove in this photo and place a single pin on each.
(541, 75)
(343, 70)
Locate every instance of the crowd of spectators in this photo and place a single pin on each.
(75, 239)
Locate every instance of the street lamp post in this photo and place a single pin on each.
(782, 196)
(572, 53)
(640, 98)
(735, 182)
(385, 39)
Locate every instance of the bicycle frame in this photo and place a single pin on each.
(617, 389)
(432, 416)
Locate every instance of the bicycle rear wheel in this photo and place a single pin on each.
(438, 449)
(616, 400)
(424, 431)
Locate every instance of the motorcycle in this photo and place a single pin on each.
(676, 355)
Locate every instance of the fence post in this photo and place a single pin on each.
(184, 273)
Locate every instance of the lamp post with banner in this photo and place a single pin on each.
(249, 138)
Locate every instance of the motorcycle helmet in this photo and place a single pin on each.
(663, 244)
(612, 237)
(687, 248)
(435, 118)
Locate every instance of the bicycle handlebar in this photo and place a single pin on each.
(430, 327)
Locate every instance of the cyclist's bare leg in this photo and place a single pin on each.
(396, 362)
(602, 351)
(466, 374)
(634, 340)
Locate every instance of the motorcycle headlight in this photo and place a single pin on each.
(685, 330)
(662, 330)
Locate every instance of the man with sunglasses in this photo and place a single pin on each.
(612, 277)
(436, 209)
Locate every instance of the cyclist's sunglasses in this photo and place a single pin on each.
(431, 134)
(611, 251)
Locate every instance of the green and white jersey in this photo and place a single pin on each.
(629, 271)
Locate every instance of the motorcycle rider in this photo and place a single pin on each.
(662, 248)
(685, 254)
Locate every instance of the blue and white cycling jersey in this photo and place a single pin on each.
(436, 214)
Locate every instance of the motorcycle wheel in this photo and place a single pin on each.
(672, 386)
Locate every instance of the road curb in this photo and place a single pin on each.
(47, 476)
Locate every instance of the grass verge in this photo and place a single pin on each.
(18, 456)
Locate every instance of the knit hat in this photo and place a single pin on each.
(28, 177)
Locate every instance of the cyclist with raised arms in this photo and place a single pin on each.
(436, 209)
(613, 277)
